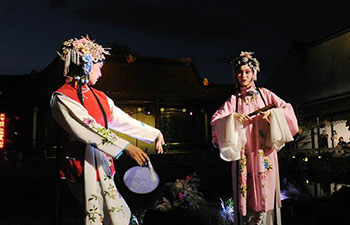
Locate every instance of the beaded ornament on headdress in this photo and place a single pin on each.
(83, 52)
(246, 58)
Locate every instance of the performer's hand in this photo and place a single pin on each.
(266, 115)
(159, 143)
(137, 154)
(241, 117)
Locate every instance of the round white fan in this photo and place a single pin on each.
(141, 179)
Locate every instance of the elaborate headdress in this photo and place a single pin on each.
(246, 58)
(81, 52)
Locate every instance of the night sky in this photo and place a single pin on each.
(210, 32)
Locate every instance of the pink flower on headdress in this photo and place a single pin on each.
(77, 43)
(246, 55)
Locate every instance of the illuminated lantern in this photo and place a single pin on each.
(2, 130)
(205, 82)
(130, 58)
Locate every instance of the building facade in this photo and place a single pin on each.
(168, 94)
(318, 80)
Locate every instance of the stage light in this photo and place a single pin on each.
(139, 109)
(184, 110)
(148, 109)
(191, 113)
(162, 109)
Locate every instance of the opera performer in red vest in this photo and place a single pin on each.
(89, 116)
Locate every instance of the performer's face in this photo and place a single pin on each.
(95, 73)
(245, 76)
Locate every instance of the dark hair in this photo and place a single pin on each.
(75, 70)
(245, 58)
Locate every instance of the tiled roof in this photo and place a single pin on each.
(157, 79)
(338, 106)
(146, 79)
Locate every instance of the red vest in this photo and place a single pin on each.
(71, 160)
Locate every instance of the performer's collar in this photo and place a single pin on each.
(244, 91)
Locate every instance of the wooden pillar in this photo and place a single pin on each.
(312, 138)
(332, 129)
(34, 130)
(206, 127)
(318, 133)
(157, 117)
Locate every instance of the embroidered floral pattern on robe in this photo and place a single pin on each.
(264, 167)
(255, 218)
(243, 173)
(93, 213)
(107, 135)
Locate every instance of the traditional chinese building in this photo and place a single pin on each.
(316, 78)
(165, 93)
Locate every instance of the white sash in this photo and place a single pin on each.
(118, 210)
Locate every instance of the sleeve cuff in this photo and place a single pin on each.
(121, 152)
(156, 136)
(228, 154)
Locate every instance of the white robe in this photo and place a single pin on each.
(74, 118)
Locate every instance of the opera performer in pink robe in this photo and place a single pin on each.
(253, 142)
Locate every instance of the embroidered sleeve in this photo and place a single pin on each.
(75, 120)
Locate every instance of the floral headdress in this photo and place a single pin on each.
(246, 58)
(82, 52)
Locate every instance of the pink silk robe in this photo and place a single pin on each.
(258, 166)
